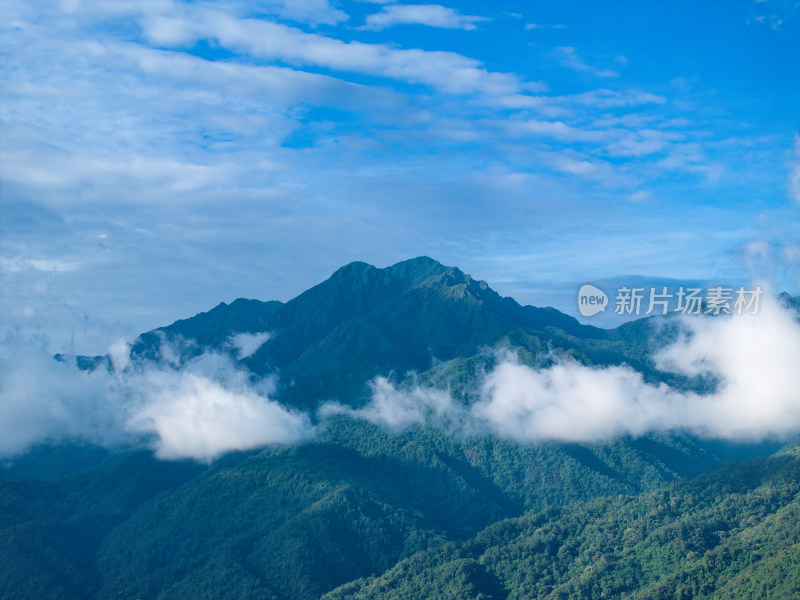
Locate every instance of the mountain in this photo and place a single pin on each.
(210, 329)
(361, 512)
(299, 521)
(416, 316)
(204, 331)
(790, 301)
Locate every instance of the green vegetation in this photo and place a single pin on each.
(361, 513)
(384, 514)
(730, 534)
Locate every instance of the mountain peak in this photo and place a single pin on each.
(414, 271)
(351, 270)
(404, 275)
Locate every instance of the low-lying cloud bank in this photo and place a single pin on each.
(210, 406)
(754, 359)
(399, 410)
(204, 409)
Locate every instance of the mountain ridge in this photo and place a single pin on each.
(364, 321)
(328, 342)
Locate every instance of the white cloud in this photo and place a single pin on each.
(643, 142)
(605, 98)
(774, 22)
(223, 81)
(641, 196)
(584, 167)
(559, 130)
(313, 12)
(529, 26)
(45, 400)
(579, 105)
(690, 157)
(399, 410)
(247, 343)
(432, 15)
(144, 115)
(194, 416)
(757, 249)
(541, 104)
(205, 409)
(120, 354)
(791, 254)
(568, 57)
(446, 71)
(167, 176)
(18, 264)
(316, 12)
(754, 358)
(570, 402)
(209, 407)
(794, 173)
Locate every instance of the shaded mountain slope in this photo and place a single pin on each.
(295, 522)
(209, 329)
(730, 534)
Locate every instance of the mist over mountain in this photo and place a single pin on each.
(202, 397)
(417, 340)
(364, 321)
(399, 431)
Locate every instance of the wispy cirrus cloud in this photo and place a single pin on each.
(430, 15)
(229, 134)
(690, 157)
(606, 98)
(447, 71)
(559, 130)
(794, 170)
(316, 12)
(774, 14)
(643, 142)
(311, 12)
(276, 85)
(568, 57)
(21, 264)
(773, 21)
(530, 26)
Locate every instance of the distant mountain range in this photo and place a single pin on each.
(359, 512)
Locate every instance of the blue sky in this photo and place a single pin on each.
(158, 157)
